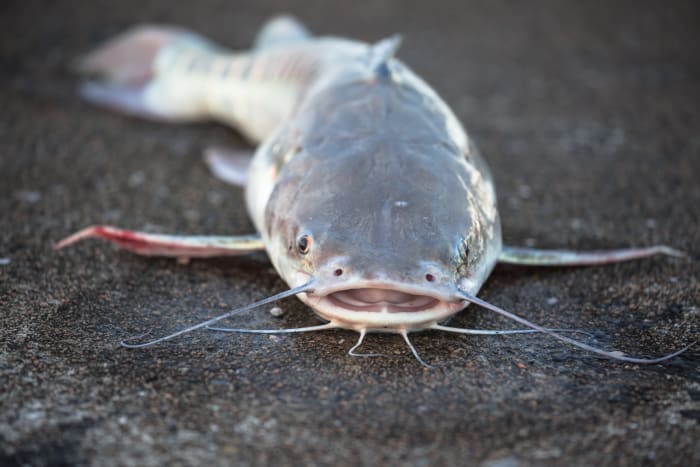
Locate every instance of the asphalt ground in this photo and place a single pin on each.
(588, 116)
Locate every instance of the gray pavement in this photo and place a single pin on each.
(589, 118)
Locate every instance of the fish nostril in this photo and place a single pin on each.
(429, 277)
(338, 272)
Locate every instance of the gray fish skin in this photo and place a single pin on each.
(359, 159)
(378, 171)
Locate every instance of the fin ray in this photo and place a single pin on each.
(537, 257)
(179, 246)
(382, 52)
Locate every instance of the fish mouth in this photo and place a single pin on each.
(378, 300)
(383, 307)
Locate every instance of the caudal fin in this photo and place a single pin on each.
(128, 59)
(124, 72)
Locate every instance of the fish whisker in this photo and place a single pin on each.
(504, 332)
(293, 291)
(352, 353)
(319, 327)
(404, 334)
(615, 355)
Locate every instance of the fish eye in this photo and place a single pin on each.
(304, 243)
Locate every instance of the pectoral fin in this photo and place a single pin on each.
(179, 246)
(229, 165)
(536, 257)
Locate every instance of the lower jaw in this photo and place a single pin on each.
(391, 321)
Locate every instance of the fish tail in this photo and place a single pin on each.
(171, 74)
(128, 72)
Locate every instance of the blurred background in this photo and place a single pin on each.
(588, 115)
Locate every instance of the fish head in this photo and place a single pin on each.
(388, 241)
(383, 203)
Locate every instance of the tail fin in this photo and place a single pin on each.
(128, 59)
(124, 70)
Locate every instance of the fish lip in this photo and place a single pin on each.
(435, 304)
(439, 292)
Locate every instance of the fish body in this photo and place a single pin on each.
(356, 153)
(379, 172)
(368, 196)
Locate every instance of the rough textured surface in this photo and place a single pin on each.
(589, 118)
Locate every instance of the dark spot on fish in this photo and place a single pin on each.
(205, 65)
(338, 272)
(464, 250)
(174, 58)
(199, 64)
(192, 65)
(429, 277)
(462, 269)
(246, 70)
(383, 71)
(226, 70)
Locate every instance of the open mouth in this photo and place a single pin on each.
(378, 300)
(382, 307)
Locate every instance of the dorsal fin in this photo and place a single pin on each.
(382, 52)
